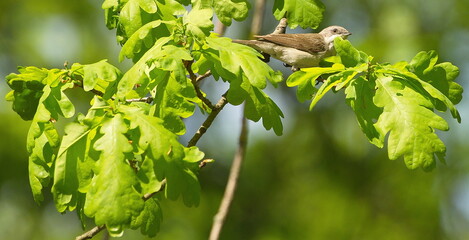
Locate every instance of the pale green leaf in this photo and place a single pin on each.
(198, 22)
(170, 159)
(112, 198)
(73, 167)
(137, 74)
(239, 59)
(359, 95)
(411, 124)
(98, 75)
(149, 219)
(303, 13)
(227, 10)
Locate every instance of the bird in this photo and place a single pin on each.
(300, 50)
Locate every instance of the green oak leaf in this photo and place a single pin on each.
(137, 74)
(239, 59)
(170, 159)
(73, 167)
(198, 22)
(438, 80)
(42, 143)
(27, 88)
(359, 96)
(174, 101)
(100, 76)
(231, 9)
(149, 219)
(258, 104)
(306, 79)
(350, 56)
(411, 123)
(336, 81)
(131, 15)
(303, 13)
(143, 39)
(112, 198)
(240, 65)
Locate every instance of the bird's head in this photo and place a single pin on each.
(330, 33)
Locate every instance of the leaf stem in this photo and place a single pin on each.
(194, 80)
(91, 233)
(208, 122)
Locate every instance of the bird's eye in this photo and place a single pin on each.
(335, 30)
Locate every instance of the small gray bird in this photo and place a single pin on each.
(301, 50)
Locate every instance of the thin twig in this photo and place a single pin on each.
(91, 233)
(220, 217)
(193, 77)
(201, 77)
(143, 99)
(96, 92)
(208, 122)
(281, 27)
(149, 195)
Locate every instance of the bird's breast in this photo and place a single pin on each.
(297, 58)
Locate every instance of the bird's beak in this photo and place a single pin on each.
(346, 35)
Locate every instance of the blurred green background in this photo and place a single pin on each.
(320, 180)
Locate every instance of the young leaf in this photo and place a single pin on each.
(410, 123)
(306, 79)
(171, 160)
(258, 104)
(350, 56)
(41, 143)
(359, 95)
(247, 75)
(100, 76)
(73, 167)
(137, 74)
(305, 13)
(174, 100)
(239, 59)
(198, 22)
(231, 9)
(112, 198)
(141, 40)
(149, 219)
(337, 80)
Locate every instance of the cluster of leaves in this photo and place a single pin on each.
(116, 161)
(398, 100)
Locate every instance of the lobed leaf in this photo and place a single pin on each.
(165, 157)
(359, 96)
(100, 76)
(112, 198)
(149, 219)
(227, 10)
(73, 167)
(198, 22)
(243, 60)
(303, 13)
(411, 124)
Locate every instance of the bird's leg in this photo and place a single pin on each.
(266, 57)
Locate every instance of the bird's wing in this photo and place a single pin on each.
(308, 42)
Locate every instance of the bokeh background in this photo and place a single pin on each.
(320, 180)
